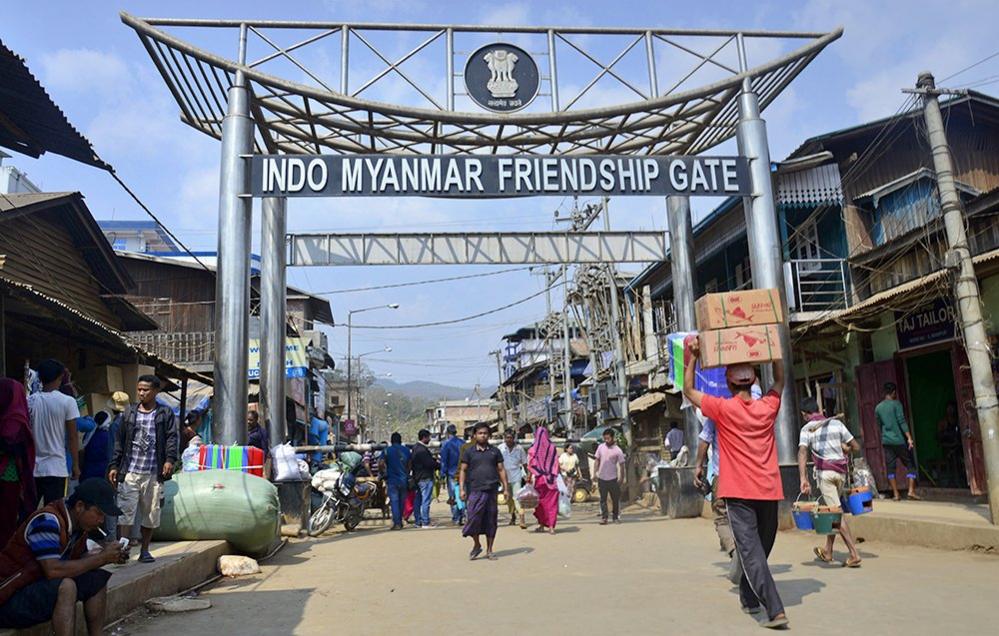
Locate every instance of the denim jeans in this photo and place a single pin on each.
(421, 505)
(457, 514)
(397, 498)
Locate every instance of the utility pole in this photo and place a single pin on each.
(620, 364)
(500, 389)
(566, 354)
(969, 304)
(550, 353)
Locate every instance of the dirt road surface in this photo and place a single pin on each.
(647, 575)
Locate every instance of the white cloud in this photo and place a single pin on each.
(85, 70)
(508, 14)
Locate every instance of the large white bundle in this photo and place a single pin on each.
(285, 463)
(325, 479)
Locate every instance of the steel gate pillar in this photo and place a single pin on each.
(765, 257)
(232, 289)
(273, 316)
(684, 271)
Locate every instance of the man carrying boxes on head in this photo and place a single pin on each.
(748, 477)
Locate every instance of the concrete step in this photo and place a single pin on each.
(932, 524)
(179, 565)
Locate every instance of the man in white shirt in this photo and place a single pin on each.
(53, 424)
(514, 460)
(827, 438)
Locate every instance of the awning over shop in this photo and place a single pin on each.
(58, 317)
(883, 301)
(646, 401)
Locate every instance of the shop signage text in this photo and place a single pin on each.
(295, 361)
(495, 176)
(936, 323)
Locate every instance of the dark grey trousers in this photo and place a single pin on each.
(611, 488)
(754, 527)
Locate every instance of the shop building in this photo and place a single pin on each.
(869, 288)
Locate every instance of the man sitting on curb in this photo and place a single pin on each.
(826, 437)
(145, 450)
(45, 568)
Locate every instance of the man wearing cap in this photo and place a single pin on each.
(46, 567)
(748, 476)
(450, 456)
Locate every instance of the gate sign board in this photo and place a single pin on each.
(471, 176)
(502, 78)
(936, 323)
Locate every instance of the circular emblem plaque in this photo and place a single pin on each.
(502, 78)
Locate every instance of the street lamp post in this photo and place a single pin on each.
(350, 316)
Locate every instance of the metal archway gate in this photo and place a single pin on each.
(675, 92)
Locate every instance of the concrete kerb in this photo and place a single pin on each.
(902, 529)
(179, 566)
(930, 534)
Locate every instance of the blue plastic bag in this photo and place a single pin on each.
(457, 497)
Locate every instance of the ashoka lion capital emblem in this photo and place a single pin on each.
(501, 63)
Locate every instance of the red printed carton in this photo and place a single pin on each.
(738, 308)
(754, 344)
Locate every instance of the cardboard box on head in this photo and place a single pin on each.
(738, 308)
(754, 344)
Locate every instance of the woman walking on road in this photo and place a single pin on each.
(543, 465)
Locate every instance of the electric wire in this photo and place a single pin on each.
(463, 319)
(419, 282)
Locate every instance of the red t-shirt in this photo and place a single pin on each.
(747, 450)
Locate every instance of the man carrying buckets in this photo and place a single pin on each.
(748, 477)
(827, 438)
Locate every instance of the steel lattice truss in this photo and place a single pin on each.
(621, 91)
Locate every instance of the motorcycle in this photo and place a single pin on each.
(343, 501)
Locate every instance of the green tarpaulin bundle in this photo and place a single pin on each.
(221, 504)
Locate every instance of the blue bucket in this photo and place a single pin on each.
(860, 503)
(803, 519)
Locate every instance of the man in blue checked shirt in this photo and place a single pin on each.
(449, 456)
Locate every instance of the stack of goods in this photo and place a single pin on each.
(247, 459)
(739, 327)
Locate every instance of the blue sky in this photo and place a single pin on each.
(96, 70)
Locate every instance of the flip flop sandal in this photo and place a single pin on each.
(850, 563)
(915, 498)
(492, 557)
(821, 555)
(474, 554)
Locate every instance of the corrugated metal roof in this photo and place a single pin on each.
(31, 123)
(813, 144)
(112, 334)
(645, 402)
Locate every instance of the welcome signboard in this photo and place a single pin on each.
(472, 176)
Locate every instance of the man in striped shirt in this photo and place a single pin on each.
(46, 567)
(827, 438)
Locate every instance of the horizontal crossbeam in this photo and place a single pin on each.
(485, 248)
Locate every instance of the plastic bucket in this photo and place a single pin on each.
(802, 519)
(827, 522)
(802, 512)
(860, 502)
